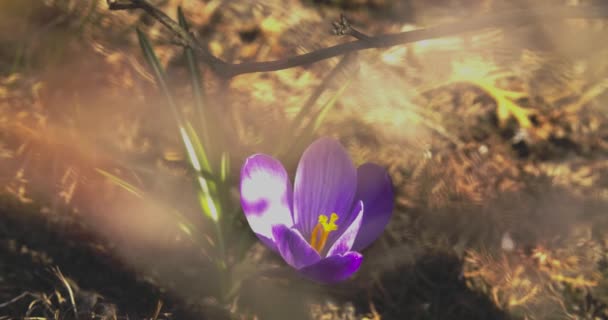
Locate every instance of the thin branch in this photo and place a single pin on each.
(383, 41)
(183, 36)
(343, 27)
(17, 298)
(358, 35)
(504, 19)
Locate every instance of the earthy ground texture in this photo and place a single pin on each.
(496, 141)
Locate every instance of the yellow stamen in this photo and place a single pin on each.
(322, 229)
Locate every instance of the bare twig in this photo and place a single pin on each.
(504, 19)
(183, 36)
(17, 298)
(343, 27)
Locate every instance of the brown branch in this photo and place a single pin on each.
(343, 27)
(510, 18)
(183, 36)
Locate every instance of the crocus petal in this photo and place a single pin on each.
(335, 268)
(345, 242)
(375, 189)
(266, 195)
(325, 183)
(293, 248)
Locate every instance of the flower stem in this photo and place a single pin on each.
(221, 248)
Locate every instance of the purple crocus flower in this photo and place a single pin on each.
(332, 212)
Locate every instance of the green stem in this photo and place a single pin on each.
(221, 263)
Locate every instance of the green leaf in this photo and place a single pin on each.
(208, 205)
(306, 111)
(307, 108)
(182, 222)
(194, 148)
(318, 118)
(182, 19)
(306, 135)
(204, 115)
(159, 73)
(240, 272)
(121, 183)
(225, 166)
(196, 152)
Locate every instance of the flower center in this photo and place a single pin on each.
(319, 235)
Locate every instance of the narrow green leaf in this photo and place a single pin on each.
(121, 183)
(206, 201)
(182, 19)
(315, 122)
(128, 186)
(196, 152)
(185, 229)
(195, 149)
(186, 226)
(241, 271)
(306, 110)
(192, 231)
(225, 167)
(159, 73)
(322, 113)
(204, 115)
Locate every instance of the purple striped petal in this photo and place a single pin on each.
(335, 268)
(293, 247)
(375, 189)
(266, 195)
(325, 183)
(345, 242)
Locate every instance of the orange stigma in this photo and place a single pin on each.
(319, 235)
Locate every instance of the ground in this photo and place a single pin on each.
(495, 140)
